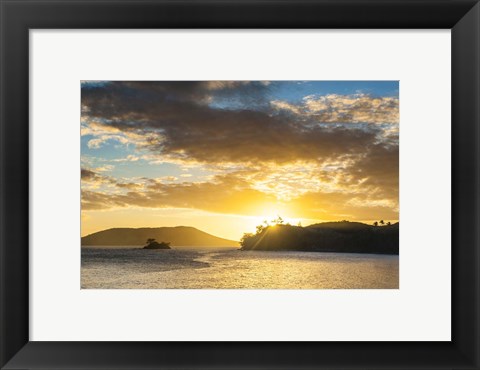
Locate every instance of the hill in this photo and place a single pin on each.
(177, 236)
(344, 236)
(341, 225)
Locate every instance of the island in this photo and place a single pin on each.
(153, 244)
(179, 236)
(340, 237)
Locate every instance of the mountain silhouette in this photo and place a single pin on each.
(177, 236)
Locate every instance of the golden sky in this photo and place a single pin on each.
(224, 155)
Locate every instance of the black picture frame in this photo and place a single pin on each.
(19, 16)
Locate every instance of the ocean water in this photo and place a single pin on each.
(230, 268)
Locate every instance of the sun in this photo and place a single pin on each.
(268, 215)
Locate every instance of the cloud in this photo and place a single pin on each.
(130, 186)
(177, 127)
(105, 168)
(145, 93)
(330, 155)
(98, 142)
(340, 205)
(235, 193)
(378, 170)
(334, 108)
(224, 195)
(283, 105)
(128, 158)
(87, 175)
(92, 180)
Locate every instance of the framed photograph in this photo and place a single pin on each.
(202, 184)
(263, 166)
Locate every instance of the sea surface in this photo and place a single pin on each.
(230, 268)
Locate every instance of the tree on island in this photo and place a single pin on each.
(246, 237)
(260, 228)
(249, 239)
(375, 223)
(153, 244)
(382, 222)
(278, 221)
(266, 224)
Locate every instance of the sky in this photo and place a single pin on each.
(223, 156)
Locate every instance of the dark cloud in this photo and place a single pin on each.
(130, 185)
(378, 170)
(180, 124)
(87, 175)
(92, 177)
(152, 97)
